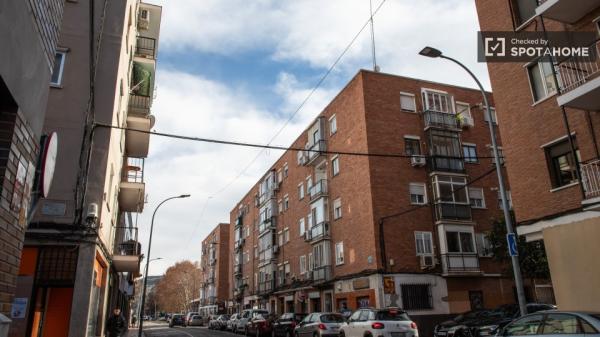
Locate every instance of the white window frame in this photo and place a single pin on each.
(547, 93)
(424, 186)
(482, 206)
(286, 235)
(58, 83)
(407, 94)
(339, 253)
(303, 269)
(302, 226)
(332, 125)
(335, 165)
(301, 191)
(467, 112)
(484, 246)
(460, 231)
(286, 202)
(470, 160)
(423, 236)
(285, 170)
(337, 206)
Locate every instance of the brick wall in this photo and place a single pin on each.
(47, 15)
(18, 155)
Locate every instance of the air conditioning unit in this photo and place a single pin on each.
(417, 161)
(427, 261)
(467, 122)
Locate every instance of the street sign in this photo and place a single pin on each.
(511, 238)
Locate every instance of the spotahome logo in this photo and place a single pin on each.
(529, 46)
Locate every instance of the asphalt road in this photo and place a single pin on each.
(165, 331)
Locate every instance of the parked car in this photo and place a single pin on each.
(320, 324)
(177, 320)
(196, 320)
(485, 322)
(379, 322)
(222, 322)
(189, 315)
(259, 325)
(217, 322)
(554, 323)
(232, 322)
(284, 325)
(245, 317)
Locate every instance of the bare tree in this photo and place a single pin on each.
(179, 287)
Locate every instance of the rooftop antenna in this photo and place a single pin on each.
(375, 66)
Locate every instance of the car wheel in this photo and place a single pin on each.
(342, 334)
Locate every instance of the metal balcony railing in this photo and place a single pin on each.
(319, 232)
(443, 120)
(146, 47)
(266, 287)
(575, 71)
(321, 274)
(460, 263)
(134, 170)
(446, 164)
(268, 224)
(316, 150)
(140, 104)
(590, 177)
(453, 211)
(126, 241)
(318, 189)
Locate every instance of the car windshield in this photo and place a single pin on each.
(392, 315)
(332, 318)
(196, 317)
(508, 310)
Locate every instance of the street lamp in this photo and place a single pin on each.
(435, 53)
(143, 273)
(148, 258)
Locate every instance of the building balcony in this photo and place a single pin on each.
(460, 263)
(317, 232)
(579, 81)
(239, 244)
(321, 274)
(590, 178)
(441, 120)
(265, 288)
(267, 196)
(210, 280)
(212, 262)
(566, 11)
(239, 221)
(451, 211)
(137, 143)
(127, 255)
(315, 152)
(139, 105)
(145, 47)
(319, 189)
(267, 225)
(237, 270)
(446, 164)
(132, 189)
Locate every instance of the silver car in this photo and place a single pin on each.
(554, 323)
(389, 322)
(320, 324)
(232, 322)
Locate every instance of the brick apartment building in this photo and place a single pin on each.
(548, 109)
(307, 236)
(29, 33)
(81, 251)
(214, 264)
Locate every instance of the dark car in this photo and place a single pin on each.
(260, 325)
(484, 322)
(285, 324)
(177, 320)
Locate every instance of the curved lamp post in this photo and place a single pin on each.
(435, 53)
(139, 309)
(148, 260)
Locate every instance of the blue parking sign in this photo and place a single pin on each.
(511, 239)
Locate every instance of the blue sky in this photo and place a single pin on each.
(236, 69)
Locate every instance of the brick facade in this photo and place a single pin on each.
(215, 268)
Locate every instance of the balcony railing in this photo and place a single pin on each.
(590, 177)
(266, 287)
(318, 189)
(134, 171)
(128, 250)
(239, 243)
(460, 263)
(321, 274)
(452, 211)
(237, 270)
(318, 232)
(145, 47)
(446, 164)
(267, 195)
(443, 120)
(575, 71)
(268, 224)
(139, 104)
(313, 152)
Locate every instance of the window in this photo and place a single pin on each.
(416, 296)
(57, 71)
(286, 235)
(417, 192)
(311, 262)
(450, 189)
(459, 242)
(561, 163)
(332, 125)
(280, 238)
(335, 165)
(339, 253)
(286, 267)
(484, 246)
(558, 324)
(303, 264)
(301, 191)
(280, 206)
(470, 153)
(286, 202)
(527, 325)
(500, 154)
(246, 256)
(523, 10)
(285, 170)
(279, 176)
(423, 243)
(446, 150)
(494, 115)
(476, 197)
(509, 199)
(541, 79)
(407, 102)
(302, 226)
(412, 146)
(299, 158)
(463, 110)
(337, 208)
(144, 14)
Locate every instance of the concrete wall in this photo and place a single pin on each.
(573, 252)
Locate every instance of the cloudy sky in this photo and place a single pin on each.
(238, 69)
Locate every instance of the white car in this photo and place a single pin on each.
(389, 322)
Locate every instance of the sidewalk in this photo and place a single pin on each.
(133, 332)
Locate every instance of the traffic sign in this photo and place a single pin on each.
(511, 238)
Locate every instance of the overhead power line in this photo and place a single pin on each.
(275, 147)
